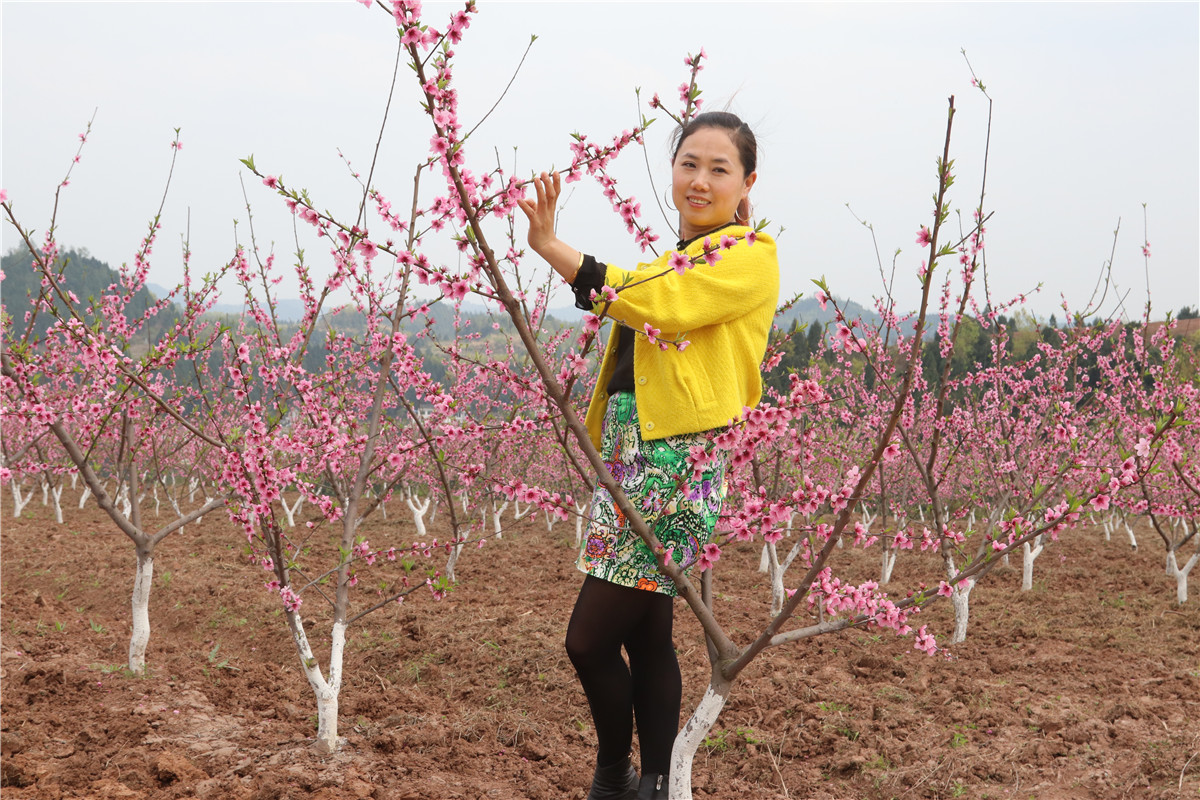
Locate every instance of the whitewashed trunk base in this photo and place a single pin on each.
(140, 636)
(688, 741)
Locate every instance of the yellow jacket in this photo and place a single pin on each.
(725, 312)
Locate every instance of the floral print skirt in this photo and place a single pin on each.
(658, 481)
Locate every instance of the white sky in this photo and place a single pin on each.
(1097, 111)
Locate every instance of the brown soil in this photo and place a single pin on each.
(1086, 687)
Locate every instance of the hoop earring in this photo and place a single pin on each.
(667, 200)
(740, 219)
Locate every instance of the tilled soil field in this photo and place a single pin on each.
(1088, 686)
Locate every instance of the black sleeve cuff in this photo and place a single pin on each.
(590, 278)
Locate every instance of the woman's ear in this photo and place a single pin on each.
(750, 179)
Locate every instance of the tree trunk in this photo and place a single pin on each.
(960, 598)
(19, 500)
(1030, 553)
(1181, 578)
(688, 740)
(889, 563)
(56, 493)
(141, 608)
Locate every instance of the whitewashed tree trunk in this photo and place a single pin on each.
(693, 734)
(1132, 536)
(517, 512)
(74, 480)
(775, 570)
(141, 610)
(452, 559)
(45, 491)
(418, 508)
(549, 520)
(960, 599)
(157, 500)
(1030, 552)
(56, 493)
(124, 501)
(1181, 574)
(497, 513)
(290, 512)
(764, 560)
(580, 515)
(867, 516)
(193, 485)
(325, 691)
(20, 500)
(889, 563)
(83, 498)
(207, 499)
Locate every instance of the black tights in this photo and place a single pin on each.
(607, 616)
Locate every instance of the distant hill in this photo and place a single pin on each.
(288, 309)
(87, 277)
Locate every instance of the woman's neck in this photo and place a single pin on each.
(686, 237)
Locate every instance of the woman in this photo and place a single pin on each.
(653, 401)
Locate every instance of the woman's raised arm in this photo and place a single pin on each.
(565, 259)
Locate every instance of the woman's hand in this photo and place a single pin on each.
(541, 211)
(542, 238)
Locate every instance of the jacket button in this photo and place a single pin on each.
(649, 426)
(642, 381)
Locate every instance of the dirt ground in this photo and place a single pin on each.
(1086, 687)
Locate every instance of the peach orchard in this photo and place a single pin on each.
(873, 445)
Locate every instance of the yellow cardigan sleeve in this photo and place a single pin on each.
(746, 277)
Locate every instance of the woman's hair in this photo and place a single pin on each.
(739, 133)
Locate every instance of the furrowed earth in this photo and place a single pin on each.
(1088, 686)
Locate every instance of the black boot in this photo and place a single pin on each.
(654, 787)
(617, 781)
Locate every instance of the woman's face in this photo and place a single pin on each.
(708, 181)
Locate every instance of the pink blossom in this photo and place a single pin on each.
(3, 196)
(651, 333)
(923, 236)
(680, 262)
(925, 641)
(710, 554)
(944, 589)
(822, 298)
(751, 237)
(1101, 502)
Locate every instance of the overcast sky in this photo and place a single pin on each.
(1096, 112)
